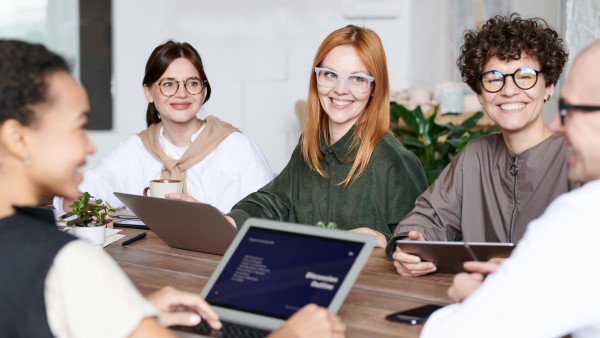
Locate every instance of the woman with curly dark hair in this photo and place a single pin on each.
(499, 182)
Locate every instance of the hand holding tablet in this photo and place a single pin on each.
(464, 284)
(448, 257)
(411, 265)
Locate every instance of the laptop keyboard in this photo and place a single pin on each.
(229, 330)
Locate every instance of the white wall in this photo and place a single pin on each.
(257, 55)
(436, 29)
(582, 18)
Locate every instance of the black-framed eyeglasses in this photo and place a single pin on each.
(168, 87)
(493, 81)
(564, 107)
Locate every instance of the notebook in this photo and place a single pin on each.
(272, 269)
(183, 225)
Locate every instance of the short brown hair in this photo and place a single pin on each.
(507, 38)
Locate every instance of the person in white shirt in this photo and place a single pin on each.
(549, 287)
(51, 284)
(217, 164)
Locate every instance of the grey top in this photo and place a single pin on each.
(488, 194)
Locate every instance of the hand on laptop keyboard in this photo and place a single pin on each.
(312, 321)
(182, 308)
(309, 322)
(228, 330)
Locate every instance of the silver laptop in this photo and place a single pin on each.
(272, 269)
(183, 225)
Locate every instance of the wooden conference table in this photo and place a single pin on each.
(379, 290)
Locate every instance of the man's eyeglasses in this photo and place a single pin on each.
(168, 87)
(493, 81)
(563, 109)
(357, 83)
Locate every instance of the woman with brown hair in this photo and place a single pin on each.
(217, 164)
(499, 182)
(348, 168)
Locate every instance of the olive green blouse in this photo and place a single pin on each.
(378, 199)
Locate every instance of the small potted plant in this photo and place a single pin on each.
(91, 217)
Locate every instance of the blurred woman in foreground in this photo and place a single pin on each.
(53, 285)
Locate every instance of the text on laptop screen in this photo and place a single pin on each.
(275, 273)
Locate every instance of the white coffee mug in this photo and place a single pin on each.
(159, 188)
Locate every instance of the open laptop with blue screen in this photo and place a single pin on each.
(272, 269)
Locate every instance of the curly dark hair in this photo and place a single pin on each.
(24, 68)
(507, 38)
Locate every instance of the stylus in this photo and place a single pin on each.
(473, 255)
(471, 252)
(134, 238)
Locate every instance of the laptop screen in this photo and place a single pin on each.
(275, 273)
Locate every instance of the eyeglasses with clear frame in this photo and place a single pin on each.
(169, 86)
(357, 83)
(524, 78)
(564, 107)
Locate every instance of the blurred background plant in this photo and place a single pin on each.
(434, 144)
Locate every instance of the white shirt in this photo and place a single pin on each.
(549, 287)
(88, 295)
(233, 170)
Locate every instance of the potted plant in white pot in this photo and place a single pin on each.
(91, 217)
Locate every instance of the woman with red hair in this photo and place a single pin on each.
(348, 168)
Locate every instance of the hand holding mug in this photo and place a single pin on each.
(159, 188)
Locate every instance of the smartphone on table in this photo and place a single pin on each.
(129, 221)
(132, 224)
(414, 316)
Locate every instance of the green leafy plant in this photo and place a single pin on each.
(434, 144)
(88, 212)
(329, 225)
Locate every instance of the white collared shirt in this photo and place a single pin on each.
(549, 287)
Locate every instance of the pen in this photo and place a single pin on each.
(134, 238)
(473, 256)
(471, 253)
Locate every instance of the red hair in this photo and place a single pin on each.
(372, 124)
